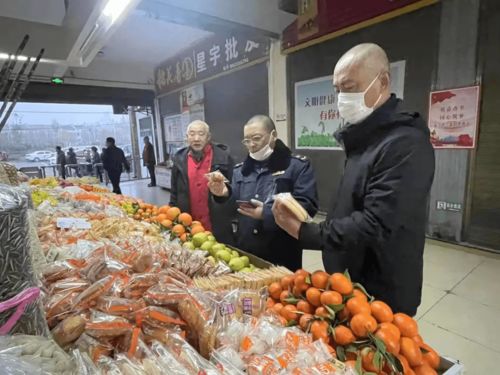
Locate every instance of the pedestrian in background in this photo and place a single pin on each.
(72, 161)
(113, 160)
(61, 162)
(95, 159)
(149, 160)
(270, 168)
(189, 190)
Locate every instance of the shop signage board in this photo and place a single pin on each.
(322, 17)
(454, 117)
(317, 116)
(208, 58)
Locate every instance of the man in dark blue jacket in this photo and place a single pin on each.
(376, 228)
(269, 169)
(113, 160)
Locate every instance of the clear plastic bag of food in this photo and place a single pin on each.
(88, 297)
(165, 295)
(93, 347)
(60, 306)
(104, 325)
(159, 317)
(84, 365)
(228, 360)
(58, 271)
(168, 361)
(13, 365)
(69, 330)
(293, 206)
(99, 268)
(40, 351)
(72, 284)
(119, 306)
(139, 283)
(264, 365)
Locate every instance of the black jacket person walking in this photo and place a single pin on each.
(113, 160)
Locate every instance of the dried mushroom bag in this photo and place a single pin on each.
(16, 268)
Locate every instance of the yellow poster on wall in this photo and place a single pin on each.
(307, 20)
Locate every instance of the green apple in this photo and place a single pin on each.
(199, 239)
(207, 246)
(246, 260)
(235, 253)
(246, 269)
(189, 245)
(217, 247)
(236, 264)
(223, 255)
(211, 238)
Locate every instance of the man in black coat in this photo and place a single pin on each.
(113, 161)
(61, 161)
(149, 160)
(269, 169)
(189, 189)
(376, 229)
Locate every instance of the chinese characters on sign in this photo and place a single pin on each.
(317, 116)
(453, 117)
(208, 58)
(447, 206)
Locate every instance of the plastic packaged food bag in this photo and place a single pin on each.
(294, 206)
(104, 325)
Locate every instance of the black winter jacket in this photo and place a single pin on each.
(281, 173)
(376, 228)
(221, 217)
(113, 160)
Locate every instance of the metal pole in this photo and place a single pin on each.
(14, 85)
(9, 65)
(135, 143)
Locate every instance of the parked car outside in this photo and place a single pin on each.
(39, 156)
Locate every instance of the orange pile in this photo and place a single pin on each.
(180, 224)
(364, 332)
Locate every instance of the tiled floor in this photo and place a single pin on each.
(460, 310)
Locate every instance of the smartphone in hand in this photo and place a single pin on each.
(245, 204)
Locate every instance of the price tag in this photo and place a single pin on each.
(72, 223)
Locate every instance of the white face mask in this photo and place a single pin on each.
(352, 107)
(263, 153)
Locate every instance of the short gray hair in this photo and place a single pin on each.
(198, 122)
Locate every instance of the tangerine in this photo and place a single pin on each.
(392, 329)
(185, 219)
(367, 356)
(357, 306)
(179, 229)
(343, 335)
(411, 351)
(195, 223)
(424, 369)
(363, 324)
(418, 339)
(404, 362)
(289, 312)
(340, 283)
(166, 223)
(161, 217)
(381, 311)
(319, 279)
(331, 297)
(301, 283)
(287, 282)
(406, 324)
(391, 342)
(275, 290)
(359, 294)
(322, 312)
(302, 272)
(163, 209)
(344, 314)
(173, 212)
(305, 307)
(430, 356)
(319, 330)
(277, 307)
(313, 296)
(197, 229)
(270, 303)
(183, 237)
(283, 296)
(304, 321)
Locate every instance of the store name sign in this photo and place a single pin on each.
(208, 58)
(448, 206)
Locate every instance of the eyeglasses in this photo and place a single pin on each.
(254, 139)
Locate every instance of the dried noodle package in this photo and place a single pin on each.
(16, 269)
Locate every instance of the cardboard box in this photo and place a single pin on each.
(450, 366)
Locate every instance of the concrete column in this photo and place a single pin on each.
(136, 154)
(457, 66)
(278, 103)
(160, 142)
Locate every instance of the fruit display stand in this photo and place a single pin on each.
(450, 367)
